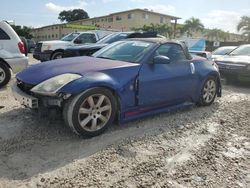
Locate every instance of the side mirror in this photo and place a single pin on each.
(160, 59)
(78, 41)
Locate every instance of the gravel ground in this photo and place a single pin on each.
(197, 147)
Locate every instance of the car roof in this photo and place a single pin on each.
(156, 40)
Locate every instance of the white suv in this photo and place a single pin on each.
(12, 52)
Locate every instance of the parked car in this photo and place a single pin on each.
(31, 45)
(49, 50)
(236, 65)
(126, 80)
(205, 54)
(221, 51)
(12, 52)
(89, 49)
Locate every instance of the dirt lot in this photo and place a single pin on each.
(197, 147)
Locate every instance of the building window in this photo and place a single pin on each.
(118, 18)
(56, 35)
(162, 20)
(145, 16)
(130, 16)
(52, 36)
(110, 19)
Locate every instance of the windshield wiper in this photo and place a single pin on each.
(103, 57)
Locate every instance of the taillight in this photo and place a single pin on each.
(21, 47)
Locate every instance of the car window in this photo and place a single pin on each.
(129, 51)
(173, 51)
(113, 38)
(3, 35)
(86, 38)
(241, 50)
(70, 37)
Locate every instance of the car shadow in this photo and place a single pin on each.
(30, 146)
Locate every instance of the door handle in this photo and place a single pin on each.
(192, 68)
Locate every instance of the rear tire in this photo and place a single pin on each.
(208, 91)
(91, 112)
(5, 74)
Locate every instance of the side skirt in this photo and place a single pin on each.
(140, 112)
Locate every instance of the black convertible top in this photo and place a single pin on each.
(163, 41)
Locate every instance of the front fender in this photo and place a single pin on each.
(90, 80)
(123, 88)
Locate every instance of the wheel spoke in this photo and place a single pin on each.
(86, 121)
(2, 75)
(85, 111)
(100, 101)
(103, 118)
(105, 108)
(91, 101)
(94, 124)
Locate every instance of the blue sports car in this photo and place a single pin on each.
(126, 80)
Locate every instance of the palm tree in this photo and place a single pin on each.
(193, 25)
(244, 26)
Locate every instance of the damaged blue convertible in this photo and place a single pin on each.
(126, 80)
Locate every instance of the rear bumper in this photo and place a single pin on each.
(18, 64)
(42, 56)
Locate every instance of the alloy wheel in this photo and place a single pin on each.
(2, 75)
(209, 91)
(94, 112)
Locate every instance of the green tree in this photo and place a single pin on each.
(22, 31)
(244, 26)
(161, 29)
(217, 35)
(72, 15)
(192, 25)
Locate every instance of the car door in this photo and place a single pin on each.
(166, 84)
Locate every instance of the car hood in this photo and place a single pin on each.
(55, 42)
(77, 65)
(234, 59)
(86, 47)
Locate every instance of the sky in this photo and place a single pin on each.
(222, 14)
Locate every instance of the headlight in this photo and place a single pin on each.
(52, 85)
(45, 47)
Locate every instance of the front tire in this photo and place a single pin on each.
(208, 92)
(5, 74)
(91, 112)
(57, 55)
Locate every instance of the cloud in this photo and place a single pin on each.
(108, 1)
(139, 1)
(58, 8)
(225, 20)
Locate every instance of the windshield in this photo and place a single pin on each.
(129, 51)
(223, 50)
(113, 38)
(70, 37)
(241, 50)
